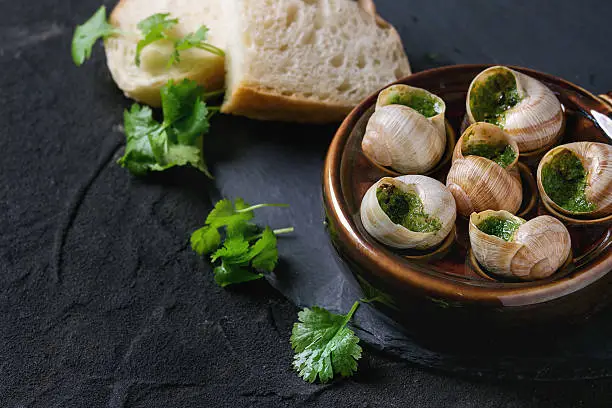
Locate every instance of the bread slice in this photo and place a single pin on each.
(143, 83)
(306, 60)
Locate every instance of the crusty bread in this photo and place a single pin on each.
(143, 83)
(306, 60)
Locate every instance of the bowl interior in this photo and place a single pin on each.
(586, 119)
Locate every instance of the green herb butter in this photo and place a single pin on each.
(406, 209)
(490, 100)
(501, 154)
(499, 227)
(423, 103)
(564, 180)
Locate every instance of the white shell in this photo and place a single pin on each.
(538, 248)
(401, 138)
(536, 121)
(438, 120)
(437, 201)
(479, 184)
(597, 161)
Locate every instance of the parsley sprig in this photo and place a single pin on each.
(324, 345)
(153, 28)
(86, 35)
(158, 27)
(194, 40)
(247, 251)
(177, 141)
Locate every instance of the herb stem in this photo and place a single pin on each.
(283, 231)
(351, 312)
(213, 94)
(212, 49)
(212, 111)
(378, 299)
(275, 232)
(257, 206)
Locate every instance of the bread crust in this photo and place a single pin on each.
(257, 103)
(265, 101)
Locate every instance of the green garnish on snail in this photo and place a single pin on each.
(576, 179)
(407, 131)
(500, 227)
(484, 175)
(511, 247)
(521, 105)
(408, 212)
(502, 154)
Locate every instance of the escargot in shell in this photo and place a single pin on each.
(408, 212)
(407, 131)
(511, 247)
(523, 106)
(484, 175)
(576, 179)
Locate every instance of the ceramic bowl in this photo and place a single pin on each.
(447, 284)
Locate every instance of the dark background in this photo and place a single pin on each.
(101, 301)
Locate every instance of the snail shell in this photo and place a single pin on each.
(596, 158)
(437, 202)
(535, 122)
(536, 250)
(402, 138)
(478, 183)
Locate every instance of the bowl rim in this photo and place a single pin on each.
(385, 265)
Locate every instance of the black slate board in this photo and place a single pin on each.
(102, 302)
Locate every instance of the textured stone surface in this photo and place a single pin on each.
(101, 301)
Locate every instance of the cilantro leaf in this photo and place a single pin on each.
(153, 28)
(247, 230)
(236, 217)
(235, 251)
(139, 124)
(194, 40)
(86, 35)
(235, 257)
(225, 213)
(245, 250)
(154, 146)
(264, 253)
(230, 274)
(205, 240)
(185, 113)
(324, 345)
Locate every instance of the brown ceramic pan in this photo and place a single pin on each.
(447, 283)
